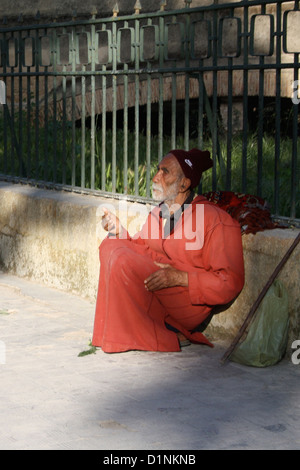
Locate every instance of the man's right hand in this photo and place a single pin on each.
(111, 223)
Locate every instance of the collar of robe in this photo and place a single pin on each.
(172, 219)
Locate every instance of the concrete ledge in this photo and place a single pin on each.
(53, 237)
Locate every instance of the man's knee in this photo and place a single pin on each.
(123, 267)
(114, 251)
(127, 264)
(108, 247)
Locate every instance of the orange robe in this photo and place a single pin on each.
(206, 243)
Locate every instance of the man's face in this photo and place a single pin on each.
(167, 180)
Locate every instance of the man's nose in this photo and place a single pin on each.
(156, 177)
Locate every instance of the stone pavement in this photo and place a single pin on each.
(53, 399)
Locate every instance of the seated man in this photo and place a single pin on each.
(165, 280)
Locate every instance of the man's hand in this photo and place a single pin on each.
(167, 276)
(111, 223)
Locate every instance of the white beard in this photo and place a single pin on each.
(157, 192)
(160, 195)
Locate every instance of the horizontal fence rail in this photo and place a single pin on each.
(92, 105)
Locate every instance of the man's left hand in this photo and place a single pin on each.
(167, 276)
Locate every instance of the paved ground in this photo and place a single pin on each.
(52, 399)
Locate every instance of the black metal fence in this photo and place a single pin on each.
(91, 105)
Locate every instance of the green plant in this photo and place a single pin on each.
(56, 153)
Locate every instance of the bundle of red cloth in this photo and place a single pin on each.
(252, 212)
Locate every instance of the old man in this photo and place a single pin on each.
(157, 287)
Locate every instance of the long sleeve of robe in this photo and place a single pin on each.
(206, 243)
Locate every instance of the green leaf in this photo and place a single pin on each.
(92, 350)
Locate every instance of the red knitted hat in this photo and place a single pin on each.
(193, 163)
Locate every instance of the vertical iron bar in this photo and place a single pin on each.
(54, 54)
(148, 138)
(229, 126)
(65, 153)
(37, 112)
(46, 150)
(214, 129)
(93, 97)
(103, 159)
(245, 102)
(148, 128)
(114, 108)
(174, 106)
(125, 126)
(137, 106)
(260, 121)
(4, 62)
(187, 85)
(201, 87)
(28, 124)
(294, 165)
(201, 94)
(83, 128)
(73, 101)
(260, 130)
(277, 110)
(200, 108)
(20, 55)
(125, 132)
(11, 117)
(200, 128)
(161, 87)
(64, 128)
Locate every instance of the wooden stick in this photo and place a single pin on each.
(258, 300)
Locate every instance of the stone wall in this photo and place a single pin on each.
(52, 237)
(66, 8)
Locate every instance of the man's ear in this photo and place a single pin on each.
(185, 184)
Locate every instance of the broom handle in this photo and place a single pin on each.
(259, 299)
